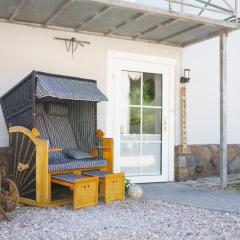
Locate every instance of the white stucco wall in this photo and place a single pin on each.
(23, 49)
(203, 90)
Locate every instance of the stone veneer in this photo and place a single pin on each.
(203, 161)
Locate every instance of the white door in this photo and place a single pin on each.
(141, 109)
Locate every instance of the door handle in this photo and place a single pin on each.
(164, 127)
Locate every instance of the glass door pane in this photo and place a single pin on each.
(151, 159)
(130, 158)
(151, 124)
(152, 89)
(130, 124)
(131, 88)
(141, 123)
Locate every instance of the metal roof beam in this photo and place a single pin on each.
(215, 6)
(228, 5)
(216, 10)
(237, 9)
(136, 18)
(59, 10)
(89, 20)
(16, 10)
(200, 13)
(156, 27)
(181, 32)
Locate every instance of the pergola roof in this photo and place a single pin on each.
(115, 18)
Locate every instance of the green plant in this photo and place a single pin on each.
(128, 184)
(236, 185)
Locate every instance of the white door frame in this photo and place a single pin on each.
(170, 65)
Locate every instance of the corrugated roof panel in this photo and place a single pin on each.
(168, 30)
(195, 34)
(115, 18)
(7, 7)
(76, 14)
(38, 11)
(141, 25)
(111, 19)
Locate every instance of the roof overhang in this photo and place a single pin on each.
(115, 18)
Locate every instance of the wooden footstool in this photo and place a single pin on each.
(112, 185)
(85, 189)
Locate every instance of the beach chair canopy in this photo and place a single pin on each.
(62, 88)
(19, 103)
(62, 108)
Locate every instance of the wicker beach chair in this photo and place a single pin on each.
(48, 115)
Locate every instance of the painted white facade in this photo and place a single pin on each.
(203, 90)
(23, 49)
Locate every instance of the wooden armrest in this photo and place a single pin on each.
(55, 149)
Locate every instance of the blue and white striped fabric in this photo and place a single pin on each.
(58, 161)
(57, 109)
(83, 118)
(69, 165)
(66, 88)
(68, 177)
(76, 153)
(40, 122)
(59, 128)
(56, 156)
(97, 173)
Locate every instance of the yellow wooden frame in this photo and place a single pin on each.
(42, 186)
(112, 187)
(85, 191)
(43, 177)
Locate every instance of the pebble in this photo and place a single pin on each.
(131, 219)
(213, 183)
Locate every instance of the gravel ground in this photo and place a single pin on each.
(143, 219)
(213, 183)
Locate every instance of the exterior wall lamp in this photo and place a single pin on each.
(186, 77)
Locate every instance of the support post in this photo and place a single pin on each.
(237, 9)
(223, 110)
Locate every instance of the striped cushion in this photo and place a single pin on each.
(68, 177)
(97, 173)
(59, 127)
(83, 120)
(69, 165)
(76, 154)
(56, 156)
(40, 122)
(57, 109)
